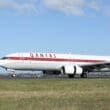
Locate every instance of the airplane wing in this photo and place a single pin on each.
(103, 66)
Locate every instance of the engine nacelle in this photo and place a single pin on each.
(70, 69)
(79, 70)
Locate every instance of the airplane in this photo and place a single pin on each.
(67, 64)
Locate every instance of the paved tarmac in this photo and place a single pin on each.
(41, 76)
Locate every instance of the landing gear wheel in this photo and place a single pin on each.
(13, 75)
(84, 75)
(71, 75)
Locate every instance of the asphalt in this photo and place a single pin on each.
(41, 76)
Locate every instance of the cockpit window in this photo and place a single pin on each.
(4, 58)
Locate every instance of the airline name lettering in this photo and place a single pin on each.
(42, 55)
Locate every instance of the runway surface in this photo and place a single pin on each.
(41, 76)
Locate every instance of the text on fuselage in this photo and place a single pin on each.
(42, 55)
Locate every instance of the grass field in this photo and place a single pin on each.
(56, 94)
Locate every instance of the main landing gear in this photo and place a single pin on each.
(12, 73)
(71, 75)
(84, 75)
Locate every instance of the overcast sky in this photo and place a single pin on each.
(61, 26)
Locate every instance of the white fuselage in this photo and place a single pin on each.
(47, 61)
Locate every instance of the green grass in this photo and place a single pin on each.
(55, 94)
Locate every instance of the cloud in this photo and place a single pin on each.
(27, 6)
(107, 10)
(95, 5)
(66, 6)
(73, 7)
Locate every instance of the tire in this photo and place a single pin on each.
(84, 75)
(71, 75)
(13, 75)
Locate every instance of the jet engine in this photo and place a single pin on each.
(72, 70)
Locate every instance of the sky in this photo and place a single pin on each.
(57, 26)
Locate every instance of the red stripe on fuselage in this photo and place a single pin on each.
(56, 59)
